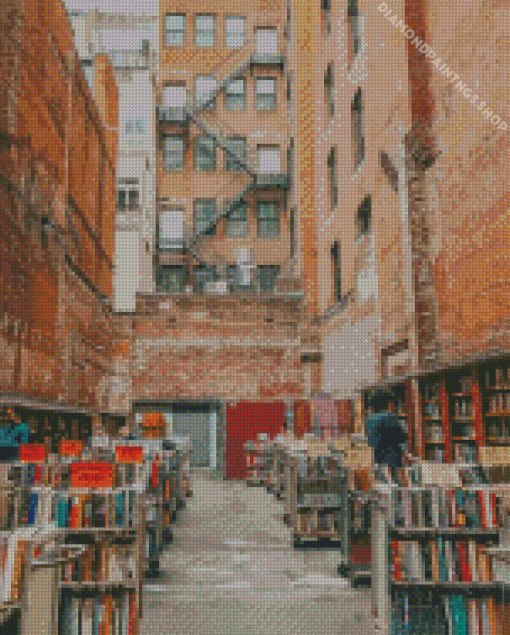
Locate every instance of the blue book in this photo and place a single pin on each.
(32, 508)
(441, 558)
(119, 508)
(62, 512)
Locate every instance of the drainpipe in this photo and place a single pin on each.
(403, 203)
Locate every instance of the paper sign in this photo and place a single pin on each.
(85, 474)
(32, 452)
(128, 454)
(70, 448)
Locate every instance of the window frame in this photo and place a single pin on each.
(203, 221)
(358, 138)
(364, 217)
(183, 30)
(265, 221)
(239, 18)
(233, 222)
(165, 153)
(198, 31)
(336, 265)
(260, 95)
(229, 96)
(169, 268)
(332, 178)
(230, 164)
(202, 141)
(267, 268)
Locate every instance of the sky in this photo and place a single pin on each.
(114, 6)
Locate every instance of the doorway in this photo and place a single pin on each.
(198, 421)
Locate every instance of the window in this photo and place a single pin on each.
(135, 130)
(353, 29)
(204, 30)
(364, 217)
(235, 27)
(173, 152)
(128, 195)
(266, 277)
(170, 278)
(333, 187)
(328, 92)
(171, 229)
(239, 147)
(204, 90)
(205, 212)
(174, 96)
(175, 29)
(336, 266)
(268, 220)
(204, 274)
(237, 221)
(266, 93)
(267, 41)
(358, 139)
(268, 159)
(326, 15)
(235, 95)
(239, 278)
(205, 154)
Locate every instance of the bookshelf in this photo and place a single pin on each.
(431, 542)
(495, 397)
(435, 438)
(463, 414)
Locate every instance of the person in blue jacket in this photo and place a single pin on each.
(385, 433)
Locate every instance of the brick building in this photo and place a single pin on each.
(58, 163)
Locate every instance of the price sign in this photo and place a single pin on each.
(32, 452)
(128, 454)
(88, 474)
(71, 448)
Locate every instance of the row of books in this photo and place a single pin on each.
(462, 408)
(306, 499)
(431, 391)
(498, 377)
(499, 429)
(454, 614)
(102, 562)
(117, 508)
(442, 508)
(440, 559)
(312, 522)
(103, 615)
(463, 384)
(432, 409)
(12, 549)
(361, 517)
(464, 452)
(499, 402)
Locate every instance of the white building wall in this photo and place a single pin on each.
(127, 268)
(349, 357)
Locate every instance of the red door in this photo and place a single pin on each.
(244, 421)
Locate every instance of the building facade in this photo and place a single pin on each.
(58, 171)
(131, 44)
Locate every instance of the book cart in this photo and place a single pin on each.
(257, 461)
(356, 459)
(431, 539)
(314, 493)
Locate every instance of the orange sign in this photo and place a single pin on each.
(70, 448)
(128, 454)
(86, 474)
(32, 452)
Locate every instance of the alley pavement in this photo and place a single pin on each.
(232, 570)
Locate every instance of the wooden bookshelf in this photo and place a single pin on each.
(433, 437)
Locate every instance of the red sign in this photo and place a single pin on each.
(85, 474)
(128, 454)
(70, 448)
(32, 452)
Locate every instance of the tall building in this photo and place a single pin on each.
(131, 43)
(58, 163)
(224, 224)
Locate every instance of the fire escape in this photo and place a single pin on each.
(238, 63)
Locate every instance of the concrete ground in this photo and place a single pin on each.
(232, 570)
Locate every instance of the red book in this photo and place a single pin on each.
(466, 573)
(155, 467)
(395, 558)
(132, 612)
(38, 474)
(481, 506)
(74, 512)
(494, 509)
